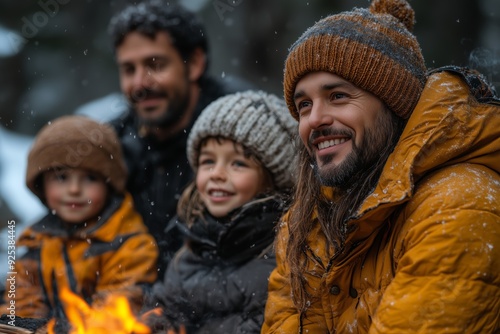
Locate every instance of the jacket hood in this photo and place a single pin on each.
(450, 125)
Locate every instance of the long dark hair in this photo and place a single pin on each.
(332, 214)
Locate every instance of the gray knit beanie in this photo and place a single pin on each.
(259, 121)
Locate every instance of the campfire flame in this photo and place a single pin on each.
(114, 315)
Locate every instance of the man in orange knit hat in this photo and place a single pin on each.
(395, 226)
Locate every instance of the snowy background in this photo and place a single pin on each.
(56, 59)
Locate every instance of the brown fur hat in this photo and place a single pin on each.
(76, 142)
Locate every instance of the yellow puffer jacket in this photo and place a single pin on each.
(117, 255)
(426, 250)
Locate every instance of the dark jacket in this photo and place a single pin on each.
(116, 255)
(218, 282)
(159, 171)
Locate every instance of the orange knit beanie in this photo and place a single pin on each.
(372, 48)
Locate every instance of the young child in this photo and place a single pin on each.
(241, 149)
(92, 241)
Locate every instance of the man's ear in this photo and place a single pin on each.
(197, 64)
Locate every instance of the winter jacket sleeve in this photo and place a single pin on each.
(208, 299)
(281, 315)
(27, 296)
(248, 291)
(234, 323)
(447, 274)
(129, 267)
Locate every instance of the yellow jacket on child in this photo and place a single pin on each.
(117, 255)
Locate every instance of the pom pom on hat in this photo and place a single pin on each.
(373, 49)
(257, 120)
(399, 9)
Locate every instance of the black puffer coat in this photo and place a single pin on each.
(217, 283)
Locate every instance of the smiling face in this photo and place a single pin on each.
(74, 194)
(155, 78)
(226, 178)
(342, 126)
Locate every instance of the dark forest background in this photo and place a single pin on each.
(60, 55)
(55, 57)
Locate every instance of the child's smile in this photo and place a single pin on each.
(226, 178)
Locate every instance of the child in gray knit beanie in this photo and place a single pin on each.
(242, 151)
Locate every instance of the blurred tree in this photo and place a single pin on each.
(66, 60)
(63, 61)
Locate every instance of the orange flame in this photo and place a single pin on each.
(114, 315)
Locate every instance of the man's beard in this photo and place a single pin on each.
(360, 160)
(176, 107)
